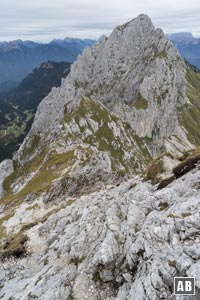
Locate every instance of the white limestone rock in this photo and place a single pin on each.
(112, 244)
(135, 72)
(6, 168)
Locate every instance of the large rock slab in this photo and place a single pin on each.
(6, 168)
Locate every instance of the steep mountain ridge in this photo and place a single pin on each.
(78, 219)
(160, 94)
(137, 74)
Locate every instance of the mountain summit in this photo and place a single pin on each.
(80, 195)
(137, 74)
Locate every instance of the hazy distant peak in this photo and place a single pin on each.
(69, 40)
(187, 45)
(180, 36)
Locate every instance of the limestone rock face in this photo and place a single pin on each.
(136, 73)
(121, 243)
(6, 168)
(93, 147)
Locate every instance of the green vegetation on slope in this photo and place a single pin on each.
(105, 139)
(189, 115)
(155, 170)
(45, 169)
(48, 171)
(141, 102)
(42, 171)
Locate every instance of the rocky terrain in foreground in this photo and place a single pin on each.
(124, 242)
(101, 201)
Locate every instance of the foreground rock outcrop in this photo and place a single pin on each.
(125, 242)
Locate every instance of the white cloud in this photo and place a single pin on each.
(44, 20)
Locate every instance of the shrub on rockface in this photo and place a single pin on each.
(154, 171)
(186, 166)
(165, 182)
(181, 169)
(15, 246)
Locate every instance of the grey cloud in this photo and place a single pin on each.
(43, 20)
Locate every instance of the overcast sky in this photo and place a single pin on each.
(43, 20)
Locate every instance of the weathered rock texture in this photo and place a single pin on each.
(121, 243)
(6, 168)
(137, 73)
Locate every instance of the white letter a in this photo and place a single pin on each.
(180, 286)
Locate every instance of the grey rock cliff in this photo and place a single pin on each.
(6, 168)
(136, 73)
(121, 243)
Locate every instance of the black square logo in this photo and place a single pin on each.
(184, 286)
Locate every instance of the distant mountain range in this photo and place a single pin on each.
(72, 42)
(18, 58)
(17, 107)
(16, 44)
(187, 45)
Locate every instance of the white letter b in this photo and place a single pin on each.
(188, 286)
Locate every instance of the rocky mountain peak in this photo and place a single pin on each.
(135, 72)
(138, 26)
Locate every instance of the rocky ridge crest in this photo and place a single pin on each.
(136, 73)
